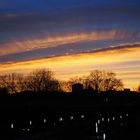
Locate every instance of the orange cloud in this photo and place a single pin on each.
(54, 41)
(122, 61)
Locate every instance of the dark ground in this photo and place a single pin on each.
(70, 117)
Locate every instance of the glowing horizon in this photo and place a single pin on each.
(122, 61)
(71, 38)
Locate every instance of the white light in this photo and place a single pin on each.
(108, 119)
(113, 118)
(28, 129)
(121, 117)
(71, 117)
(12, 125)
(96, 124)
(23, 129)
(103, 119)
(98, 121)
(104, 136)
(127, 114)
(96, 129)
(30, 122)
(44, 120)
(82, 116)
(60, 119)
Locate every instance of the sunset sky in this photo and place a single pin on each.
(71, 37)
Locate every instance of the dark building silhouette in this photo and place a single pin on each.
(77, 88)
(127, 90)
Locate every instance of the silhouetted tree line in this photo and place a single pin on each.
(43, 80)
(99, 81)
(40, 80)
(36, 107)
(138, 89)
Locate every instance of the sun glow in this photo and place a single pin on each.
(121, 61)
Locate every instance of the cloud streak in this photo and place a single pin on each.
(71, 37)
(123, 60)
(53, 41)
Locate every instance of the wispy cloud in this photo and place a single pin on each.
(54, 41)
(120, 60)
(70, 37)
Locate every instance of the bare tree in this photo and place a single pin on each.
(12, 82)
(111, 82)
(41, 80)
(104, 81)
(96, 80)
(138, 89)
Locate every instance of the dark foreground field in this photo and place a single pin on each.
(70, 117)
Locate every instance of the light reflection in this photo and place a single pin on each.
(44, 120)
(99, 126)
(96, 124)
(61, 119)
(113, 118)
(30, 122)
(104, 136)
(12, 125)
(71, 117)
(103, 119)
(96, 128)
(82, 116)
(108, 119)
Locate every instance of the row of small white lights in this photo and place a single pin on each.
(28, 129)
(71, 118)
(108, 119)
(61, 119)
